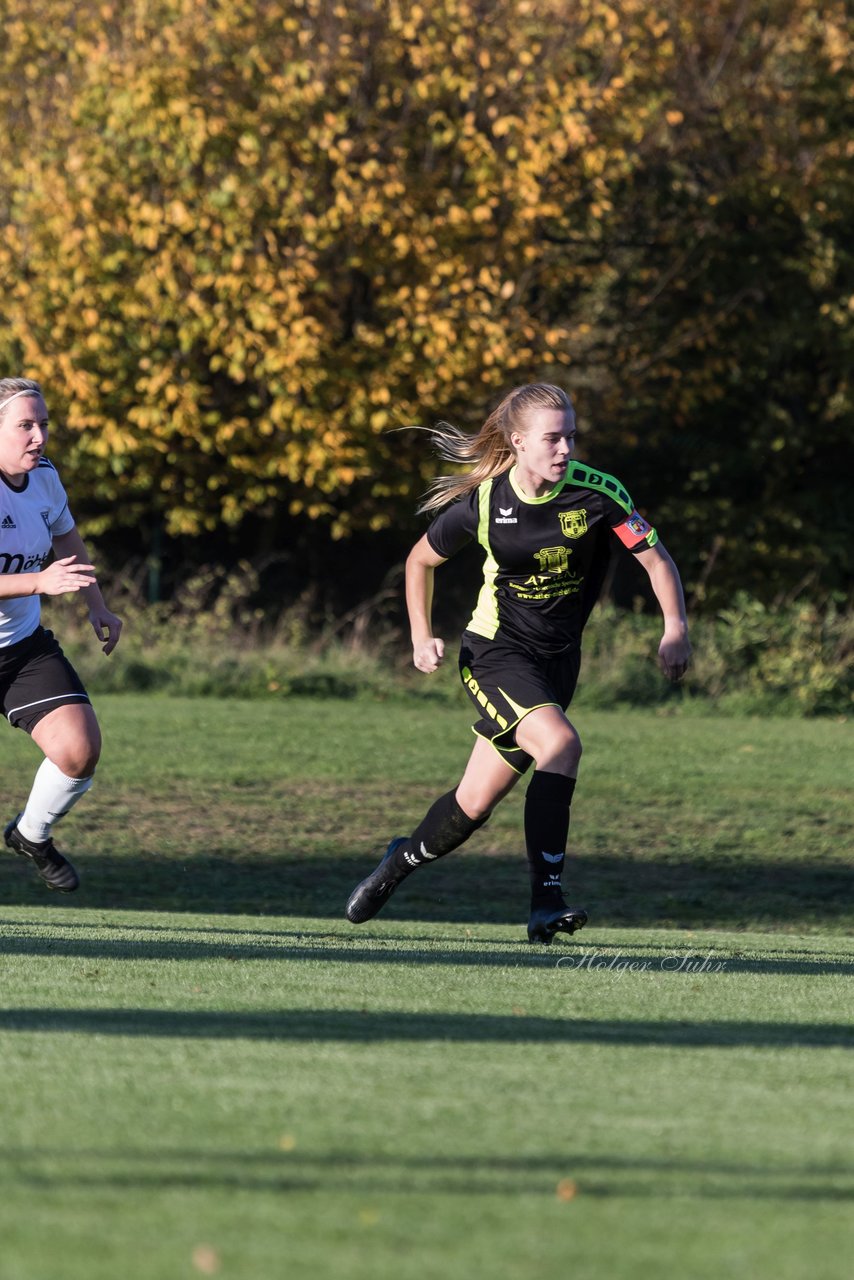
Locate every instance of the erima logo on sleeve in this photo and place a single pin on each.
(505, 516)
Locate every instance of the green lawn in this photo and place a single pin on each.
(209, 1072)
(229, 806)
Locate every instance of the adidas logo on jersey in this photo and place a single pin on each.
(8, 523)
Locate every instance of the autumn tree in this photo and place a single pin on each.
(242, 245)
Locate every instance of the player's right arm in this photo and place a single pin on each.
(59, 578)
(427, 650)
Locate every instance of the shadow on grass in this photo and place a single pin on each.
(469, 887)
(362, 1025)
(348, 945)
(391, 1175)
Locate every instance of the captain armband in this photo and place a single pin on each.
(635, 533)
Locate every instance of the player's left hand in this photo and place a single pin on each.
(107, 628)
(674, 655)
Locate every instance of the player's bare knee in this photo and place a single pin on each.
(562, 754)
(79, 760)
(87, 766)
(475, 806)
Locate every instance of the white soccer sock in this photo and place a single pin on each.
(53, 794)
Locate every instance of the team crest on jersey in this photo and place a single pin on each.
(573, 524)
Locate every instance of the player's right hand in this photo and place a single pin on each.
(63, 576)
(429, 655)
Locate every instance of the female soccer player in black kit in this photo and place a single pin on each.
(545, 524)
(40, 691)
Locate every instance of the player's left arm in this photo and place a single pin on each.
(674, 652)
(106, 625)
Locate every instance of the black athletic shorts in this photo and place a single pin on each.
(505, 684)
(35, 679)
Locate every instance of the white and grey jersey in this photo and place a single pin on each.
(30, 518)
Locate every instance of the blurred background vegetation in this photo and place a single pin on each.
(249, 248)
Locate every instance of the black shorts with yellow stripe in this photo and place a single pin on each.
(505, 684)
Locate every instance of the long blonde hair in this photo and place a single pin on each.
(489, 451)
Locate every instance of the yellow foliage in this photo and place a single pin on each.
(241, 243)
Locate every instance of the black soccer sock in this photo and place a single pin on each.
(547, 802)
(443, 828)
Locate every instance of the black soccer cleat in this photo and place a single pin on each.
(371, 895)
(56, 871)
(554, 918)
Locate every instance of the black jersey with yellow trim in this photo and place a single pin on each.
(545, 558)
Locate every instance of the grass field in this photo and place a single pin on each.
(209, 1072)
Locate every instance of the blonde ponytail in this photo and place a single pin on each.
(489, 451)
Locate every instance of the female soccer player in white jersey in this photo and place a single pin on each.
(545, 524)
(40, 690)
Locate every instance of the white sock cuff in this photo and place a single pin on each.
(53, 776)
(53, 794)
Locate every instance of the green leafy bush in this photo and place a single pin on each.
(213, 640)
